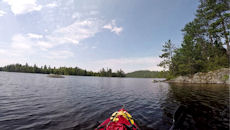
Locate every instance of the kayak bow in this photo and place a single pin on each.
(120, 120)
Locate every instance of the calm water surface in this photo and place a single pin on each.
(35, 101)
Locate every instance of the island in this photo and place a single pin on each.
(55, 76)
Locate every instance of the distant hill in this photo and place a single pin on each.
(146, 74)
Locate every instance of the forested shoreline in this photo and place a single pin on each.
(80, 72)
(205, 45)
(147, 74)
(61, 70)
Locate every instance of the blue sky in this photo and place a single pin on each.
(91, 34)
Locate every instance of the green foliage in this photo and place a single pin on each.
(147, 74)
(109, 73)
(205, 45)
(168, 50)
(170, 76)
(60, 71)
(225, 78)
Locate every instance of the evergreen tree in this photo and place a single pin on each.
(168, 50)
(205, 44)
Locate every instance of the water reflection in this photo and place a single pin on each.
(207, 105)
(34, 101)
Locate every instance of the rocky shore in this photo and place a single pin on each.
(220, 76)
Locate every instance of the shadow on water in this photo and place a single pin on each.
(207, 105)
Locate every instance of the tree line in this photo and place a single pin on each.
(61, 70)
(205, 45)
(147, 74)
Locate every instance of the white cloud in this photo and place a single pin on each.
(93, 47)
(2, 51)
(23, 6)
(71, 34)
(76, 32)
(34, 36)
(93, 12)
(76, 15)
(20, 50)
(31, 44)
(44, 45)
(113, 27)
(108, 26)
(24, 50)
(127, 64)
(30, 41)
(51, 5)
(2, 13)
(21, 42)
(117, 30)
(59, 54)
(25, 46)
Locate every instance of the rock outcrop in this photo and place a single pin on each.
(221, 76)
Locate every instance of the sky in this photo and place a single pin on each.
(91, 34)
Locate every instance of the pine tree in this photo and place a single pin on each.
(168, 50)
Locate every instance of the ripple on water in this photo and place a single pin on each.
(29, 101)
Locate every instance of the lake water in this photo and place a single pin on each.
(35, 101)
